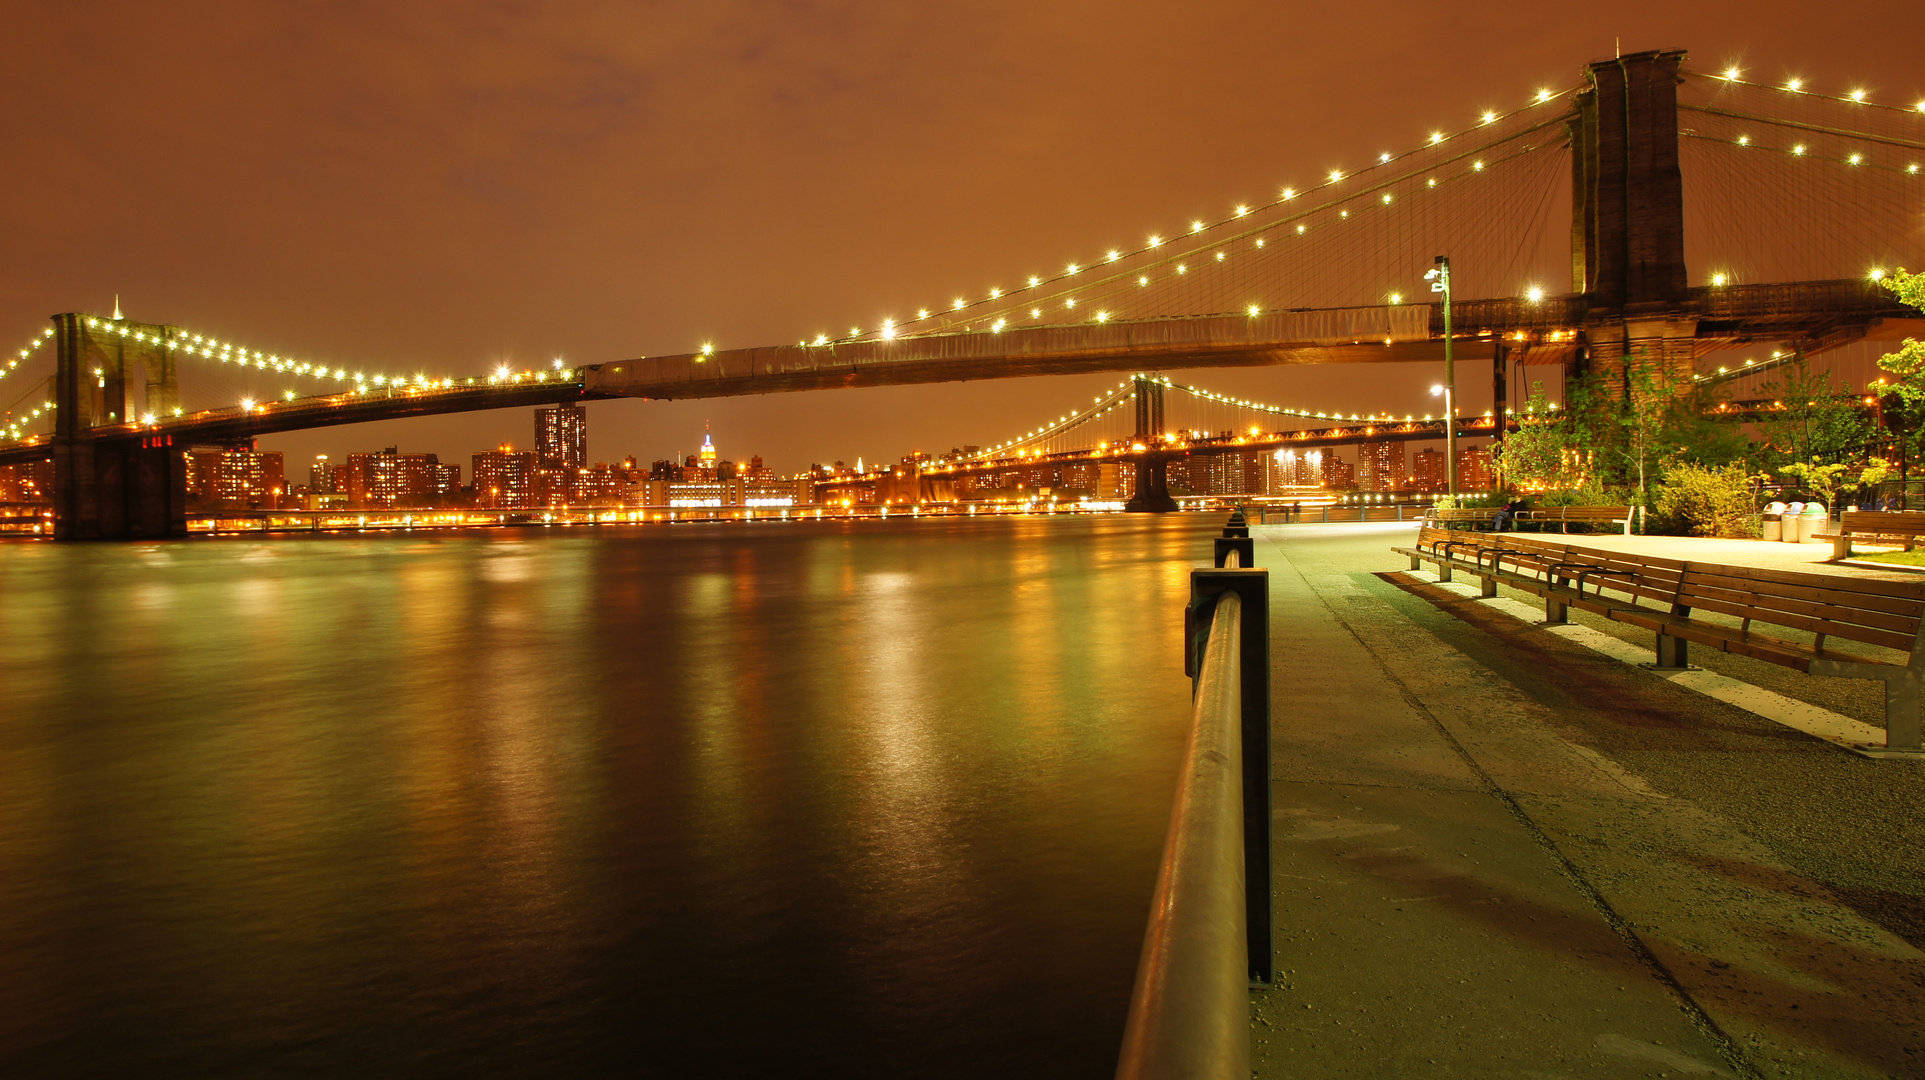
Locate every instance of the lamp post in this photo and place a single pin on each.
(1439, 278)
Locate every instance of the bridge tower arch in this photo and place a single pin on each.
(1152, 487)
(109, 373)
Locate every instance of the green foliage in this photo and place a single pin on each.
(1590, 492)
(1819, 421)
(1470, 500)
(1875, 473)
(1635, 420)
(1908, 363)
(1820, 480)
(1903, 397)
(1543, 453)
(1694, 500)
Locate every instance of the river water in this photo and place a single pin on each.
(811, 799)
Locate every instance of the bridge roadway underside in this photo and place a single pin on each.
(963, 358)
(1808, 317)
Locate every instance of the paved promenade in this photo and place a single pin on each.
(1502, 854)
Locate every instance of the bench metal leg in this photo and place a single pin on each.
(1488, 588)
(1902, 700)
(1556, 611)
(1672, 652)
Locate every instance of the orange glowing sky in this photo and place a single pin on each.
(442, 187)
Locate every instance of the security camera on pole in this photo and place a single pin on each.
(1439, 278)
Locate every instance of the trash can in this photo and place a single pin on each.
(1811, 521)
(1774, 525)
(1789, 533)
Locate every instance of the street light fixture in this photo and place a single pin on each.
(1439, 278)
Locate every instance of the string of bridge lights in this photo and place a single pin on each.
(1794, 85)
(1180, 269)
(1856, 159)
(16, 429)
(227, 352)
(1113, 399)
(891, 328)
(32, 347)
(1105, 403)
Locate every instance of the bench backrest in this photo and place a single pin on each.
(1886, 522)
(1586, 513)
(1463, 513)
(1867, 610)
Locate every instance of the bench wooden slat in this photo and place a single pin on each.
(1682, 601)
(1825, 606)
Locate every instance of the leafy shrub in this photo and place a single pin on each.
(1693, 500)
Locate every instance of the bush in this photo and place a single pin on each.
(1696, 501)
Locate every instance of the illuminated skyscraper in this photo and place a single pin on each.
(1427, 470)
(219, 476)
(1473, 468)
(388, 478)
(1380, 466)
(561, 437)
(707, 457)
(506, 479)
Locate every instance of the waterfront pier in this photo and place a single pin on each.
(1505, 851)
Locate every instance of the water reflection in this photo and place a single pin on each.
(852, 798)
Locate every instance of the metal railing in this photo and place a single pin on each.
(1209, 937)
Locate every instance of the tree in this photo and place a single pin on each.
(1903, 398)
(1909, 361)
(1810, 419)
(1539, 455)
(1633, 421)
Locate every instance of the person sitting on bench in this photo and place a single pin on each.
(1501, 521)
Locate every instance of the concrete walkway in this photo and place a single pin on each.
(1501, 855)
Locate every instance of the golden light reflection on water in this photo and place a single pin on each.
(524, 802)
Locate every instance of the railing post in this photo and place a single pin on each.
(1236, 539)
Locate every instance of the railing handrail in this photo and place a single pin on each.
(1209, 934)
(1189, 1014)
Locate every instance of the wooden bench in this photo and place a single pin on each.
(1898, 526)
(1470, 516)
(1564, 516)
(1715, 606)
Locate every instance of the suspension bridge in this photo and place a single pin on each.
(1568, 219)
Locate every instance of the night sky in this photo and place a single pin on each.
(445, 187)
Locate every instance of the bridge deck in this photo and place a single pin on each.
(1818, 315)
